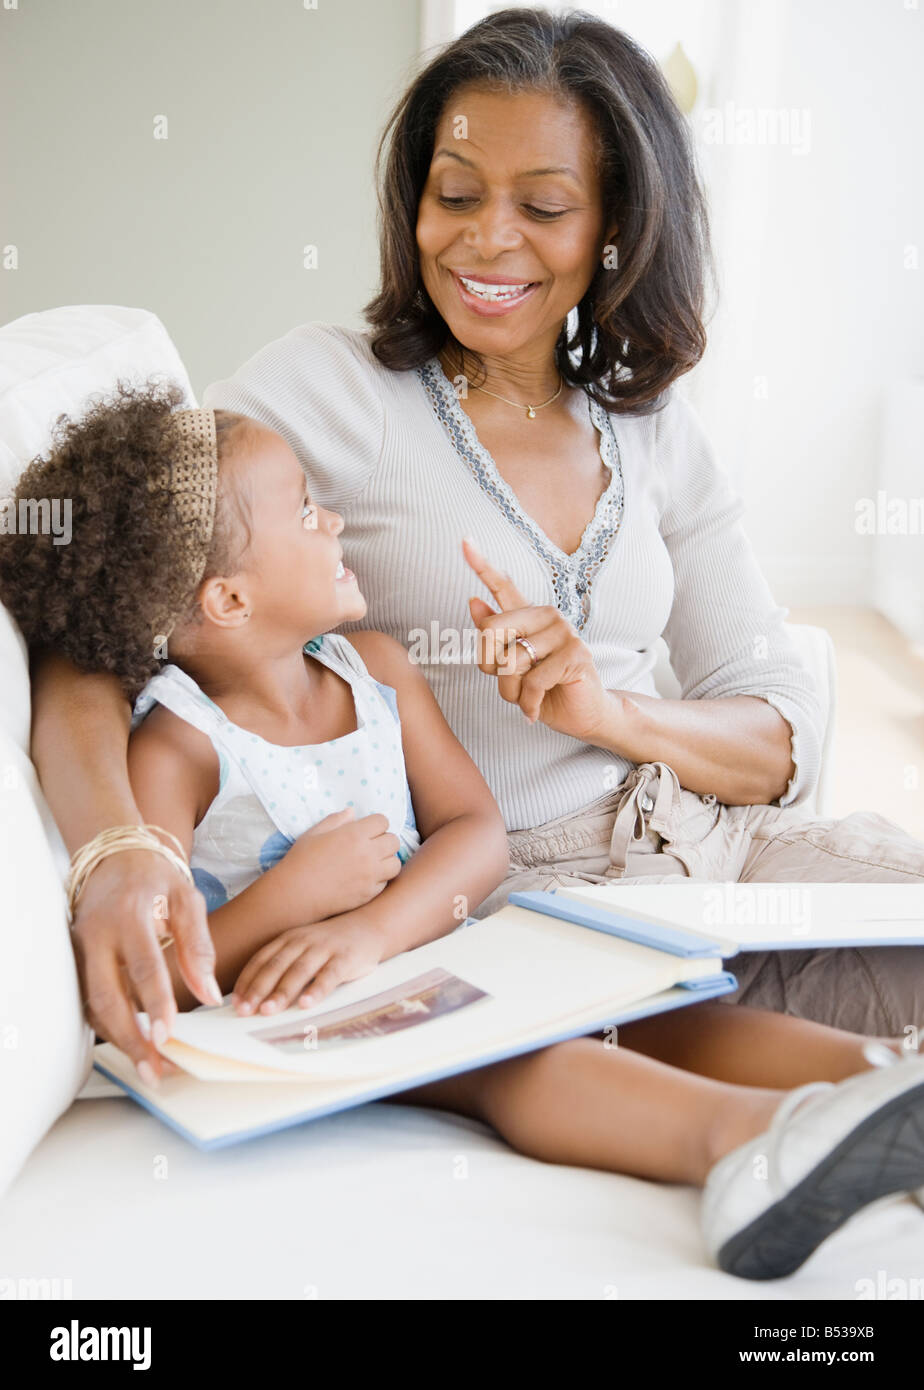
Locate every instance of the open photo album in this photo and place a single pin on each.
(546, 967)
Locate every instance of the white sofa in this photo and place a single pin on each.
(385, 1201)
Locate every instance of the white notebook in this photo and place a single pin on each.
(699, 918)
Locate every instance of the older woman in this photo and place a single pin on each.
(543, 242)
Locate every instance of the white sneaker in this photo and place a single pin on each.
(882, 1056)
(829, 1151)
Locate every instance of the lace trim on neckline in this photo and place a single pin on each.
(572, 575)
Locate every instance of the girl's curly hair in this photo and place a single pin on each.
(104, 596)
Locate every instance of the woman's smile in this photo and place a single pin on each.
(510, 217)
(494, 296)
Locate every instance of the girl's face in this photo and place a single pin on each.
(512, 201)
(292, 577)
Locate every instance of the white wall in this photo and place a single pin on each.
(273, 113)
(818, 305)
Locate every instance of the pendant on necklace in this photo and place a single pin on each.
(530, 413)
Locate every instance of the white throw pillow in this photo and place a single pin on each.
(50, 363)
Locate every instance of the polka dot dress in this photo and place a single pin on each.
(269, 795)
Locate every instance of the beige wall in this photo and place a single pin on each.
(273, 112)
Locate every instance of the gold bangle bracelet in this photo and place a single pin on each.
(112, 841)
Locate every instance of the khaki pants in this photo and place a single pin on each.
(652, 830)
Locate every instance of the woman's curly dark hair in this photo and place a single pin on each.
(104, 597)
(639, 326)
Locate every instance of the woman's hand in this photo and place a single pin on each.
(305, 964)
(129, 900)
(563, 690)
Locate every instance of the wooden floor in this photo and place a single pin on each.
(879, 743)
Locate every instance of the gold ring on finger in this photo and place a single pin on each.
(533, 657)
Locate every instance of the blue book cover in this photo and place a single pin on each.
(493, 989)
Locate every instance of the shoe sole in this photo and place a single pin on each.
(883, 1155)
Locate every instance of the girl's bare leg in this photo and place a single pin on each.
(598, 1106)
(594, 1106)
(749, 1047)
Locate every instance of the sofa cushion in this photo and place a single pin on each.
(50, 363)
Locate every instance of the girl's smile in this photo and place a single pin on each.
(293, 578)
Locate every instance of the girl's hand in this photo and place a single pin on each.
(129, 900)
(563, 690)
(305, 964)
(338, 865)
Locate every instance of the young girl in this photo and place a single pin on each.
(331, 819)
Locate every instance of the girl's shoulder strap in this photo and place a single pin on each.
(180, 694)
(337, 652)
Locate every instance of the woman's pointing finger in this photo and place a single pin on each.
(506, 593)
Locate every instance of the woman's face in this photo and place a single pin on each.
(512, 202)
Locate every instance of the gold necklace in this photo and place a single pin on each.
(530, 409)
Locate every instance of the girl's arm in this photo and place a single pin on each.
(80, 728)
(463, 857)
(337, 865)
